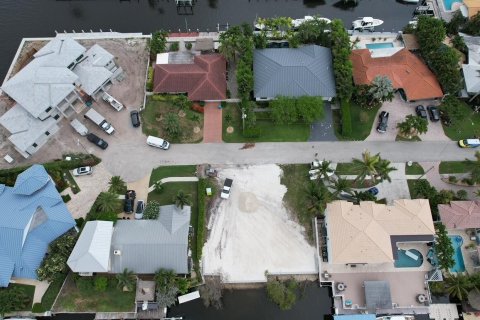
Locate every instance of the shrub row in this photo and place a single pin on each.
(202, 185)
(346, 119)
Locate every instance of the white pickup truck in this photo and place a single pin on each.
(112, 101)
(227, 186)
(100, 121)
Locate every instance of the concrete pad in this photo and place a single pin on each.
(252, 231)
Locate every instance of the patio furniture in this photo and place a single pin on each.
(421, 298)
(348, 303)
(341, 286)
(8, 158)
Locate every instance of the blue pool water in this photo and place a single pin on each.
(457, 243)
(448, 3)
(379, 45)
(405, 261)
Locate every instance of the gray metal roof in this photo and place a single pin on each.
(293, 72)
(92, 250)
(473, 45)
(471, 74)
(148, 245)
(377, 295)
(25, 129)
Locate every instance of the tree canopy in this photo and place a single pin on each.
(444, 248)
(158, 43)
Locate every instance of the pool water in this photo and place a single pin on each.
(405, 261)
(382, 45)
(448, 4)
(457, 242)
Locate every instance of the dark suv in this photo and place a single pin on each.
(382, 122)
(421, 112)
(130, 196)
(434, 113)
(93, 138)
(135, 117)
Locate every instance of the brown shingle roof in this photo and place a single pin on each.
(404, 69)
(203, 80)
(460, 214)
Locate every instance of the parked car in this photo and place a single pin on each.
(421, 112)
(93, 138)
(129, 201)
(434, 113)
(469, 143)
(227, 186)
(82, 171)
(135, 117)
(373, 191)
(382, 122)
(140, 209)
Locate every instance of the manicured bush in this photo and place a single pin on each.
(149, 84)
(100, 283)
(174, 46)
(188, 45)
(80, 221)
(346, 119)
(38, 308)
(66, 198)
(452, 179)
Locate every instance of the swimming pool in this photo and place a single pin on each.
(457, 242)
(404, 261)
(448, 4)
(380, 45)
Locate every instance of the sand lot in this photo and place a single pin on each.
(251, 232)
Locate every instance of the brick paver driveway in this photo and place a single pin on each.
(212, 123)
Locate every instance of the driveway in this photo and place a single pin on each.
(398, 110)
(212, 123)
(323, 130)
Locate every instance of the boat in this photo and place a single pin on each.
(366, 23)
(411, 1)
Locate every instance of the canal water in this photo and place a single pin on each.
(40, 18)
(314, 303)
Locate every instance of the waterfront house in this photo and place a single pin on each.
(143, 246)
(51, 87)
(293, 72)
(202, 79)
(406, 71)
(471, 71)
(33, 215)
(375, 256)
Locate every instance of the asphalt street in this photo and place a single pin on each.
(132, 161)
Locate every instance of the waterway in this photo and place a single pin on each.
(40, 18)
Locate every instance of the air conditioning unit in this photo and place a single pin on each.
(117, 252)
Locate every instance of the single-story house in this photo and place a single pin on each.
(33, 215)
(293, 72)
(368, 233)
(50, 87)
(404, 69)
(143, 246)
(204, 79)
(471, 71)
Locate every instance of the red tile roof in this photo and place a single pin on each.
(460, 214)
(205, 79)
(404, 69)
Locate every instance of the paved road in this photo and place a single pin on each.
(132, 161)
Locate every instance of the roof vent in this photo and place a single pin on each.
(117, 252)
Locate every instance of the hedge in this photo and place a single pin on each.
(149, 84)
(202, 185)
(346, 118)
(66, 198)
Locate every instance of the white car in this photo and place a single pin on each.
(82, 171)
(227, 186)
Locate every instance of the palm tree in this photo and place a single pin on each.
(383, 170)
(106, 202)
(363, 196)
(126, 279)
(367, 166)
(165, 278)
(182, 199)
(230, 42)
(381, 89)
(474, 167)
(458, 286)
(324, 169)
(341, 185)
(117, 185)
(412, 126)
(317, 196)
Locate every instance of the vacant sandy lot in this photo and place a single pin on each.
(251, 232)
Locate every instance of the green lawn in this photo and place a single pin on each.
(415, 168)
(468, 128)
(85, 298)
(172, 171)
(269, 131)
(157, 107)
(28, 290)
(346, 168)
(362, 122)
(453, 167)
(52, 292)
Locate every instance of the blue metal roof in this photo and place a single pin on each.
(355, 317)
(35, 208)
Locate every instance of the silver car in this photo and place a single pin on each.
(82, 171)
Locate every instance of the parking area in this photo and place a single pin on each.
(398, 110)
(132, 56)
(251, 232)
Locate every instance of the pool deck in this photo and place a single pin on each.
(467, 253)
(362, 39)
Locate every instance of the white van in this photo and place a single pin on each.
(158, 142)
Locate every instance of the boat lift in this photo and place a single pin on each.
(185, 7)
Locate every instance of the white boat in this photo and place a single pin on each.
(411, 1)
(366, 23)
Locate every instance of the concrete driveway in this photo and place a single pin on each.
(398, 110)
(323, 130)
